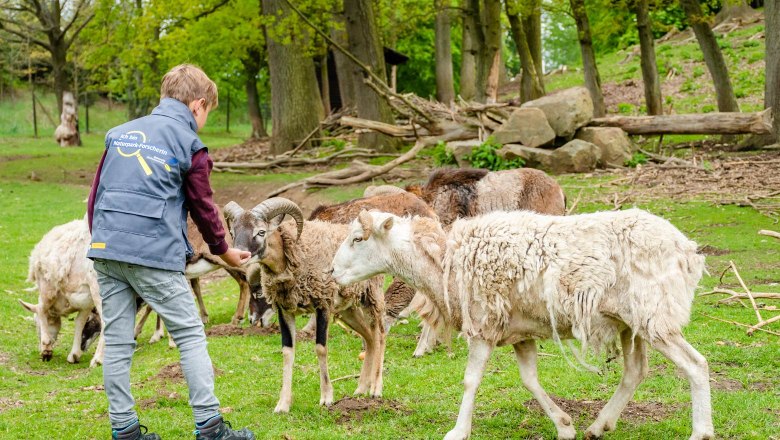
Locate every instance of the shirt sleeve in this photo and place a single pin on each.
(93, 191)
(198, 193)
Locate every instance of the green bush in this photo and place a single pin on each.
(707, 108)
(698, 71)
(485, 156)
(625, 108)
(442, 156)
(750, 43)
(637, 159)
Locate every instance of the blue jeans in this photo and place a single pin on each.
(168, 293)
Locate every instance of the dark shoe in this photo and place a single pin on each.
(134, 431)
(217, 429)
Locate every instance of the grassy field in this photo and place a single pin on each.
(42, 186)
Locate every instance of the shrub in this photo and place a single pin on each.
(636, 159)
(485, 156)
(442, 156)
(625, 108)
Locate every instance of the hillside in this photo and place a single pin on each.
(685, 82)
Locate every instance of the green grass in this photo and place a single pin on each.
(59, 400)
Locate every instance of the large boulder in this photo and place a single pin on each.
(462, 148)
(576, 156)
(566, 111)
(527, 126)
(615, 146)
(533, 157)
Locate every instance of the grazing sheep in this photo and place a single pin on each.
(509, 278)
(294, 263)
(66, 284)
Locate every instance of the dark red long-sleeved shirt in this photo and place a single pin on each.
(198, 196)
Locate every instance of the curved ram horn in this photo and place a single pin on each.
(275, 206)
(232, 211)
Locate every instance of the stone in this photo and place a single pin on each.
(566, 111)
(533, 157)
(576, 156)
(526, 126)
(615, 146)
(462, 148)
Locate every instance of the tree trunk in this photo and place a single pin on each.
(445, 87)
(532, 25)
(647, 59)
(713, 57)
(469, 49)
(530, 84)
(345, 69)
(251, 70)
(296, 108)
(67, 133)
(703, 123)
(365, 45)
(59, 73)
(592, 80)
(772, 82)
(489, 56)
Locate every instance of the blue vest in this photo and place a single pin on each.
(139, 214)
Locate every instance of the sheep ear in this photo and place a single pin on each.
(32, 308)
(387, 224)
(232, 212)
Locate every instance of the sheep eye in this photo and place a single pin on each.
(357, 239)
(260, 233)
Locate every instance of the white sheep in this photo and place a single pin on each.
(66, 284)
(509, 278)
(295, 279)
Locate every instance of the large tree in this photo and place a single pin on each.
(727, 101)
(592, 80)
(296, 108)
(445, 87)
(531, 82)
(647, 58)
(470, 46)
(53, 25)
(364, 43)
(772, 81)
(489, 54)
(251, 71)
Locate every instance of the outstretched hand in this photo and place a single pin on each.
(235, 257)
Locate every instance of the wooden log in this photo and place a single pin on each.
(705, 123)
(388, 129)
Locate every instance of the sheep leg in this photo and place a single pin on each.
(287, 327)
(309, 328)
(356, 320)
(243, 296)
(78, 329)
(159, 331)
(427, 341)
(326, 387)
(204, 315)
(479, 354)
(94, 291)
(686, 358)
(634, 371)
(142, 320)
(525, 352)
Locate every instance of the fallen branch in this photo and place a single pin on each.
(738, 323)
(705, 123)
(736, 296)
(289, 161)
(769, 233)
(750, 295)
(369, 174)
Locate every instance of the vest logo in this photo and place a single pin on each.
(135, 141)
(98, 245)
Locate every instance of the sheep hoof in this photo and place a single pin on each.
(46, 355)
(590, 435)
(155, 338)
(204, 319)
(326, 401)
(282, 408)
(456, 434)
(73, 358)
(95, 362)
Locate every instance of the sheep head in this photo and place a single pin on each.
(362, 254)
(256, 230)
(47, 326)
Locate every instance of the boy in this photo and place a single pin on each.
(154, 170)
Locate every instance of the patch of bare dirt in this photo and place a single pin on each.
(724, 384)
(173, 373)
(712, 250)
(247, 151)
(749, 180)
(13, 157)
(355, 408)
(589, 409)
(7, 403)
(234, 330)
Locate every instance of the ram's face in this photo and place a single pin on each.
(361, 255)
(247, 230)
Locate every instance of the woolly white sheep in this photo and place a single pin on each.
(509, 278)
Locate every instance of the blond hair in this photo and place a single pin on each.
(187, 83)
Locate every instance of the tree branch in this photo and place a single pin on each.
(78, 30)
(26, 37)
(73, 20)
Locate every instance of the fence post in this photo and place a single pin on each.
(227, 120)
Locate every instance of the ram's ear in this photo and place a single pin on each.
(387, 225)
(32, 308)
(232, 211)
